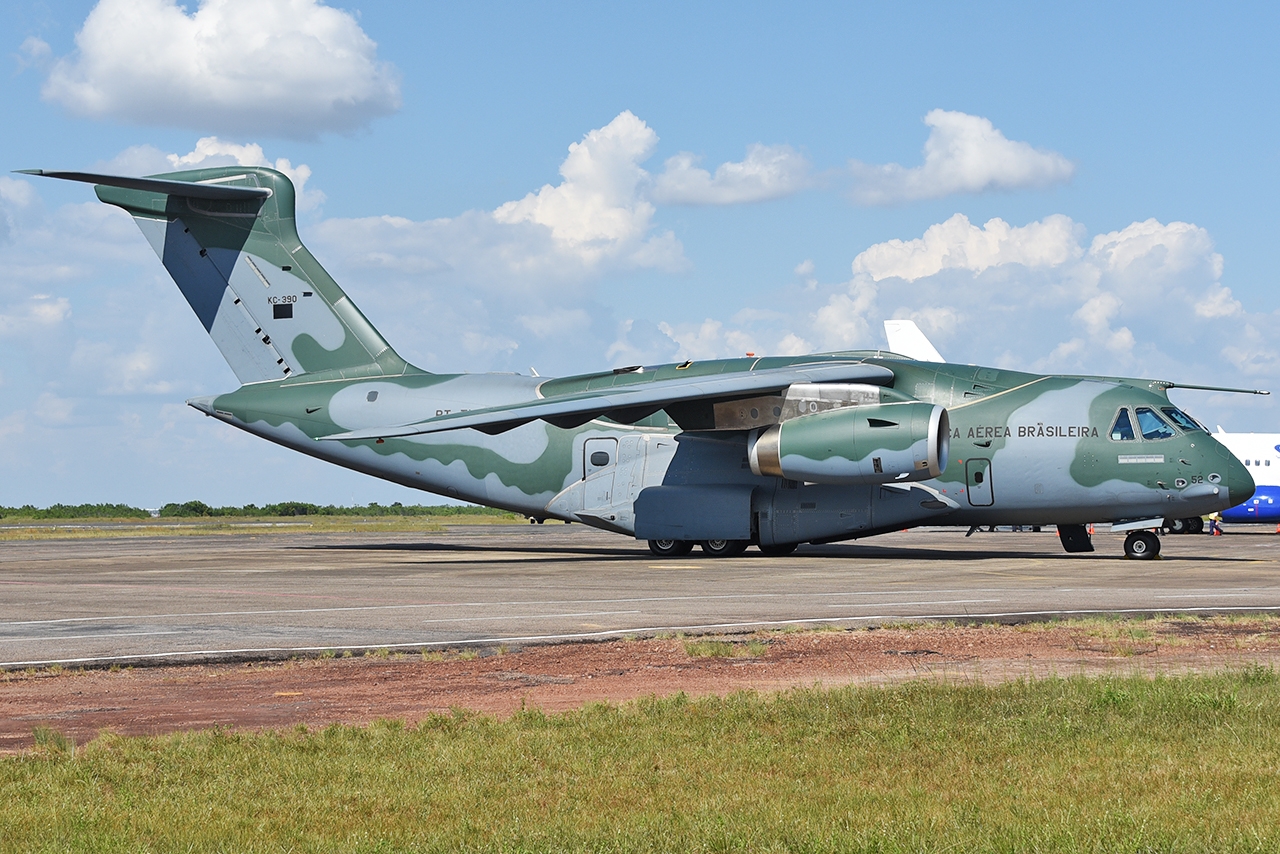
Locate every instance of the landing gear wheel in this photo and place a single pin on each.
(778, 549)
(1141, 545)
(1196, 525)
(670, 548)
(1176, 526)
(723, 548)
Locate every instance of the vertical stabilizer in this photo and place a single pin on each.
(228, 238)
(906, 339)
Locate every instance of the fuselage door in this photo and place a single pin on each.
(978, 477)
(599, 459)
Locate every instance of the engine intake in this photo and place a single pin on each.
(881, 443)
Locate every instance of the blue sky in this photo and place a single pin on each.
(1078, 189)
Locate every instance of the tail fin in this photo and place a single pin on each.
(905, 338)
(228, 238)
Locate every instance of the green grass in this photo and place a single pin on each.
(15, 529)
(1168, 764)
(720, 648)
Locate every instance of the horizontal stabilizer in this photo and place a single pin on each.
(581, 407)
(209, 190)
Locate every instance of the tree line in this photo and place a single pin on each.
(192, 509)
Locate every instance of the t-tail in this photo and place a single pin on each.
(228, 238)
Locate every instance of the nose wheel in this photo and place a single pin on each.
(1141, 545)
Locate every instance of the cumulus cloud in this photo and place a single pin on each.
(964, 154)
(292, 68)
(599, 209)
(767, 172)
(1144, 299)
(522, 277)
(958, 244)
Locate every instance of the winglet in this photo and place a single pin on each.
(907, 339)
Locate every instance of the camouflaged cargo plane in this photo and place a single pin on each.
(773, 451)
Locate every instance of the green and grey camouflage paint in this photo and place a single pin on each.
(772, 449)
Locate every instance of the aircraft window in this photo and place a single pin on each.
(1182, 419)
(1152, 425)
(1123, 428)
(600, 458)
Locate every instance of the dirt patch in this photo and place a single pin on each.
(318, 692)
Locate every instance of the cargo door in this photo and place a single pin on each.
(599, 463)
(978, 480)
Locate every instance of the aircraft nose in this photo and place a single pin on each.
(1239, 482)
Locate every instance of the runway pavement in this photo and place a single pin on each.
(227, 597)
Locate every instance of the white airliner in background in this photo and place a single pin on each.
(1260, 452)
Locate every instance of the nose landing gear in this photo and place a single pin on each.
(1141, 545)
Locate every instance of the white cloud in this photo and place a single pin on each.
(292, 68)
(598, 210)
(39, 312)
(964, 154)
(958, 244)
(1143, 300)
(767, 172)
(17, 198)
(1218, 302)
(557, 324)
(118, 368)
(708, 340)
(33, 52)
(15, 193)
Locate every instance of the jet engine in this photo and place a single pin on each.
(879, 443)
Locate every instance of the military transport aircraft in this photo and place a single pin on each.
(773, 451)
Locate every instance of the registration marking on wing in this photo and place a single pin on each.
(1140, 458)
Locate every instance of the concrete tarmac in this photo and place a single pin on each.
(195, 598)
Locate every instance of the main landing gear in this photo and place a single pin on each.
(670, 548)
(1192, 525)
(715, 548)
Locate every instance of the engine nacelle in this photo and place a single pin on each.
(880, 443)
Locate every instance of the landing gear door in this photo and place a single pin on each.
(978, 482)
(599, 462)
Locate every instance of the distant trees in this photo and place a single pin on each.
(192, 509)
(77, 511)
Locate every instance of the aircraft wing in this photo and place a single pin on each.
(632, 402)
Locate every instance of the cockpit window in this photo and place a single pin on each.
(1152, 425)
(1182, 419)
(1122, 430)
